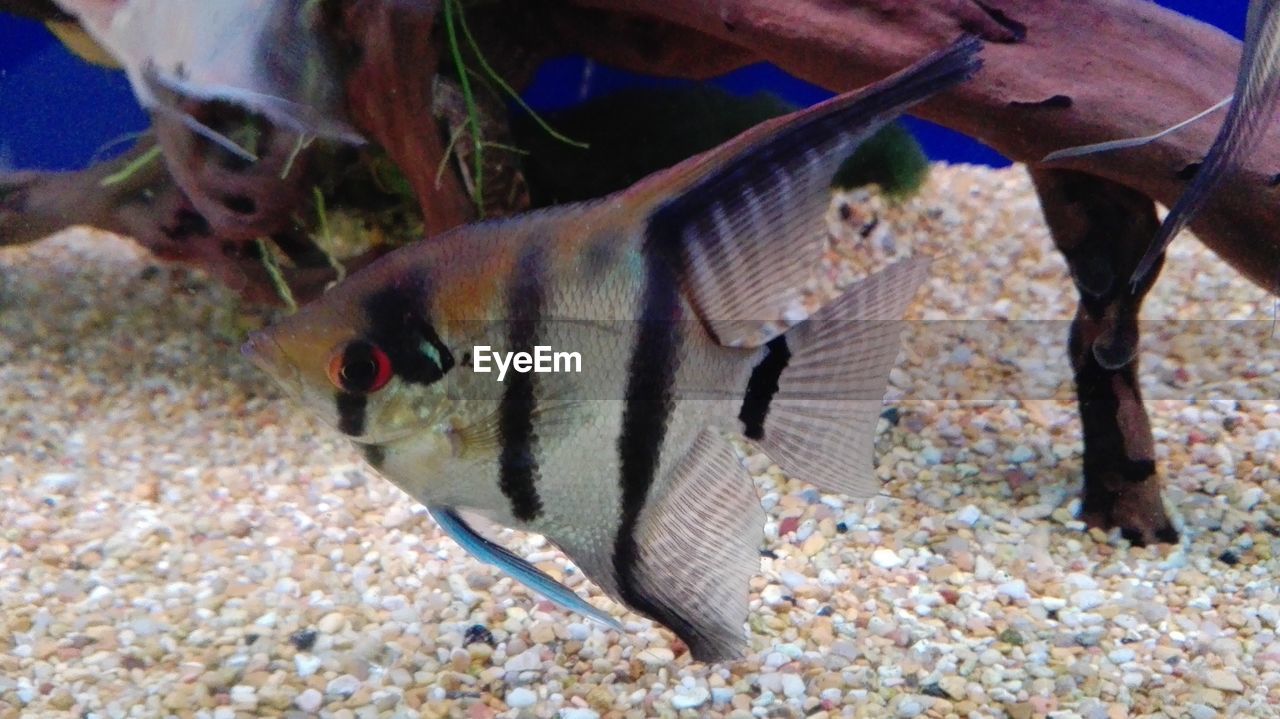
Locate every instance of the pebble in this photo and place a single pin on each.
(1087, 599)
(1121, 656)
(1021, 453)
(910, 706)
(60, 482)
(968, 515)
(690, 698)
(886, 558)
(1202, 711)
(657, 656)
(306, 664)
(1223, 680)
(310, 700)
(520, 698)
(229, 556)
(525, 661)
(792, 686)
(1015, 590)
(342, 686)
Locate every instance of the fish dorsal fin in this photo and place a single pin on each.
(1248, 117)
(697, 547)
(746, 223)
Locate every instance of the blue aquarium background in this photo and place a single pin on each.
(58, 112)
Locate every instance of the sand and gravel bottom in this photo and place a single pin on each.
(177, 539)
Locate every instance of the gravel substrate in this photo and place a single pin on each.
(178, 539)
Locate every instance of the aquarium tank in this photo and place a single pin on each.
(612, 360)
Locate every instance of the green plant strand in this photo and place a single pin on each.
(277, 277)
(493, 75)
(473, 112)
(132, 168)
(323, 216)
(304, 141)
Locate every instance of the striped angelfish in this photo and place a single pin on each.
(664, 291)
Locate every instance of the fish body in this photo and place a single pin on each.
(262, 55)
(664, 291)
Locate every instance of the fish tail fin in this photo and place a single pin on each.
(813, 398)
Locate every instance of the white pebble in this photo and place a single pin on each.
(1087, 599)
(1015, 590)
(968, 515)
(721, 695)
(1021, 453)
(656, 656)
(770, 682)
(1250, 498)
(910, 706)
(886, 558)
(243, 695)
(309, 700)
(1120, 656)
(578, 713)
(342, 686)
(520, 698)
(1202, 711)
(1223, 680)
(525, 661)
(60, 482)
(1267, 440)
(690, 698)
(792, 686)
(306, 664)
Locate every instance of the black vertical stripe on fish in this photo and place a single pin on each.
(518, 460)
(374, 454)
(762, 386)
(351, 412)
(398, 325)
(648, 403)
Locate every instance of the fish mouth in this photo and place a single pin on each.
(263, 351)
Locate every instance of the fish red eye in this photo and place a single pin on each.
(360, 367)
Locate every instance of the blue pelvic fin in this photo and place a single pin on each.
(457, 529)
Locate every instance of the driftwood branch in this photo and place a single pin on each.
(1058, 73)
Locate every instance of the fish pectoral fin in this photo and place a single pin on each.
(747, 221)
(697, 545)
(817, 416)
(552, 416)
(489, 552)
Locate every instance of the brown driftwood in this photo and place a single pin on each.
(389, 99)
(1058, 73)
(148, 206)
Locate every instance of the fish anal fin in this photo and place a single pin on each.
(698, 545)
